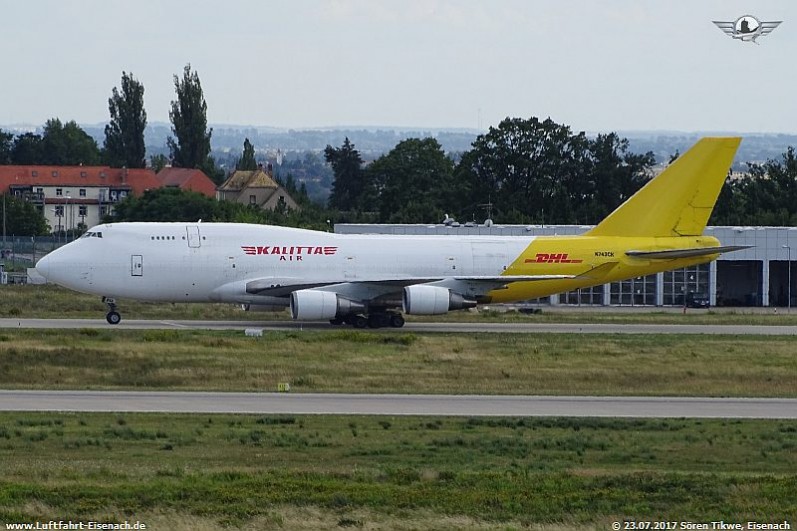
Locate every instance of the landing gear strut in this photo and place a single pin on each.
(112, 316)
(373, 320)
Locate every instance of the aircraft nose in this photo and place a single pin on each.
(43, 266)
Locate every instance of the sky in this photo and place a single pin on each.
(611, 65)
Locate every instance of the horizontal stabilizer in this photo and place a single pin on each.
(686, 253)
(598, 272)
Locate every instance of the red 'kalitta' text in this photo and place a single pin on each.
(292, 253)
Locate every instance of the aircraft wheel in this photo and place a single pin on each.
(336, 321)
(358, 321)
(396, 320)
(113, 318)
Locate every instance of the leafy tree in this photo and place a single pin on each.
(22, 218)
(540, 171)
(67, 145)
(124, 135)
(612, 176)
(767, 195)
(27, 149)
(415, 179)
(158, 162)
(6, 147)
(188, 115)
(349, 186)
(247, 161)
(166, 204)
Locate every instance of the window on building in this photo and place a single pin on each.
(59, 210)
(639, 291)
(103, 210)
(59, 192)
(679, 283)
(252, 199)
(592, 295)
(82, 192)
(34, 173)
(82, 210)
(39, 190)
(83, 174)
(55, 173)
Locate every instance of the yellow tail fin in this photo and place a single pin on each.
(679, 201)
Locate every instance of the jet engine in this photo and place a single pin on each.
(309, 305)
(433, 300)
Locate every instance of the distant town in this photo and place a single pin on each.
(372, 142)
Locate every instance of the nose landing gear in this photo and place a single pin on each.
(112, 316)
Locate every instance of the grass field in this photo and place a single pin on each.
(362, 361)
(320, 472)
(49, 301)
(208, 472)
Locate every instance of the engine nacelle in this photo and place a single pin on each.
(433, 300)
(310, 305)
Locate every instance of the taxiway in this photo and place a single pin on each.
(375, 404)
(555, 328)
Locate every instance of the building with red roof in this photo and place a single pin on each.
(69, 196)
(187, 179)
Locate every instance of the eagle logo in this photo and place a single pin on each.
(747, 28)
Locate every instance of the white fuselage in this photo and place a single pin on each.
(199, 262)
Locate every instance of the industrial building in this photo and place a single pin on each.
(759, 276)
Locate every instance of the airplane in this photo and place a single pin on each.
(368, 280)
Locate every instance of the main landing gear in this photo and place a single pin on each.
(112, 316)
(373, 320)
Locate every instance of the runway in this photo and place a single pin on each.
(556, 328)
(433, 405)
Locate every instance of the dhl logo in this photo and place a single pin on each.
(552, 258)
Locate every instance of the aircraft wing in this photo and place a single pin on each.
(686, 253)
(283, 287)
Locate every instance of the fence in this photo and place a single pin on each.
(19, 253)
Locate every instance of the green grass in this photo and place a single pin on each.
(49, 301)
(236, 470)
(346, 360)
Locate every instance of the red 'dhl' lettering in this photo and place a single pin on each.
(552, 258)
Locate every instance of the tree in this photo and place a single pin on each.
(6, 147)
(349, 184)
(414, 180)
(67, 145)
(124, 135)
(247, 161)
(27, 149)
(767, 195)
(158, 162)
(22, 218)
(540, 171)
(166, 204)
(614, 175)
(188, 115)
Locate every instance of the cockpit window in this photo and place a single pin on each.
(92, 235)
